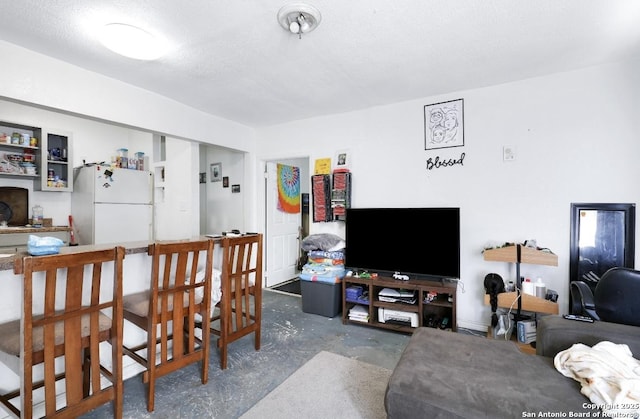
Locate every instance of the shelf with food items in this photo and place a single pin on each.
(57, 173)
(37, 153)
(19, 139)
(19, 152)
(18, 160)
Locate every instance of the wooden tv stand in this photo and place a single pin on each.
(440, 307)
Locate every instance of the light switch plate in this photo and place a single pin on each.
(508, 153)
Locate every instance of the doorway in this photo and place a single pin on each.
(283, 231)
(221, 207)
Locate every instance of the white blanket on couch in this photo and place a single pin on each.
(608, 373)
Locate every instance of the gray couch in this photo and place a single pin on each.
(453, 375)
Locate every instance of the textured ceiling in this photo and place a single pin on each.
(232, 59)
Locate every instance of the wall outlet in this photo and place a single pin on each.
(508, 153)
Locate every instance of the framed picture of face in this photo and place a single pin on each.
(342, 160)
(444, 125)
(216, 172)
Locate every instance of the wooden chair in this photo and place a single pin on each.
(179, 273)
(66, 314)
(240, 307)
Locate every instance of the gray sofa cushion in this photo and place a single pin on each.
(555, 334)
(452, 375)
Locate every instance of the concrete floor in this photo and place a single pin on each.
(290, 338)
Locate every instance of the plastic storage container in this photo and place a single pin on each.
(37, 216)
(321, 298)
(540, 289)
(139, 162)
(39, 246)
(122, 160)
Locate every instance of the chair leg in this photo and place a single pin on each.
(223, 357)
(118, 403)
(257, 338)
(222, 344)
(118, 385)
(225, 324)
(151, 395)
(258, 317)
(206, 344)
(151, 370)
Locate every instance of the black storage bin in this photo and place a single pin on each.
(321, 298)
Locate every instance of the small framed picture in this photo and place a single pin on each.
(216, 172)
(342, 160)
(235, 188)
(444, 125)
(225, 181)
(203, 177)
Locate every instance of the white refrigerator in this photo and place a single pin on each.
(112, 205)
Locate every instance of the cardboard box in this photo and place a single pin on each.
(526, 330)
(321, 298)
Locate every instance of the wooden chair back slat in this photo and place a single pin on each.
(240, 308)
(58, 322)
(173, 308)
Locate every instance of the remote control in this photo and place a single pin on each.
(578, 318)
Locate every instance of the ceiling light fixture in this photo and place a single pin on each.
(299, 18)
(131, 41)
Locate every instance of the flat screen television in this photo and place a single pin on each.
(423, 243)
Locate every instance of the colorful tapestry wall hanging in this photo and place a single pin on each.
(288, 189)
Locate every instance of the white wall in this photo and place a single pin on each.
(93, 141)
(574, 134)
(176, 202)
(576, 140)
(43, 83)
(61, 86)
(224, 210)
(97, 141)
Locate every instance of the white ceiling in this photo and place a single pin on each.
(231, 58)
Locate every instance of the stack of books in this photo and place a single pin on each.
(359, 313)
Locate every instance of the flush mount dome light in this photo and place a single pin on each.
(299, 18)
(131, 41)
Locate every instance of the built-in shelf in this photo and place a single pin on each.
(527, 255)
(56, 174)
(529, 302)
(14, 156)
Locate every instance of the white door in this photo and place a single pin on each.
(283, 229)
